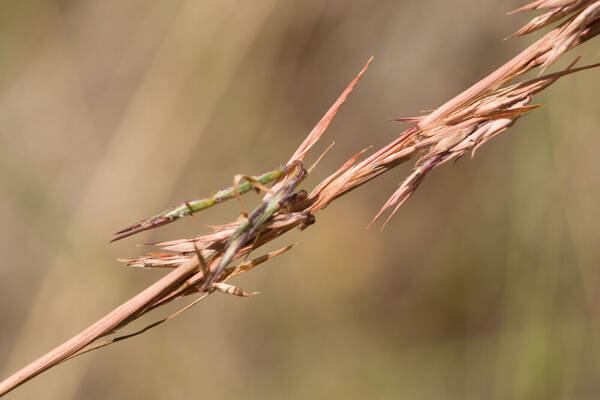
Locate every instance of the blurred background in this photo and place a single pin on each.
(484, 286)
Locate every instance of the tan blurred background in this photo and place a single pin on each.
(484, 286)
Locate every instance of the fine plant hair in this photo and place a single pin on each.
(204, 265)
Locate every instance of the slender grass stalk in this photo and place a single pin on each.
(204, 264)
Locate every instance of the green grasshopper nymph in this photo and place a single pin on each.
(254, 221)
(192, 206)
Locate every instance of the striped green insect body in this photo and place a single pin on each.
(193, 206)
(253, 222)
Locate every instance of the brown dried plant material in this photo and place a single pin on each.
(473, 117)
(558, 10)
(324, 122)
(459, 126)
